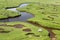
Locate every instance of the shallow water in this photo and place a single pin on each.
(24, 15)
(23, 5)
(13, 9)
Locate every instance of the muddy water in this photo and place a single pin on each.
(24, 15)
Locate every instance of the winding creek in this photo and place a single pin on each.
(24, 15)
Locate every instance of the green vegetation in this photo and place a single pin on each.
(57, 32)
(13, 3)
(7, 13)
(45, 14)
(19, 34)
(57, 37)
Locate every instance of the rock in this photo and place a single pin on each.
(39, 30)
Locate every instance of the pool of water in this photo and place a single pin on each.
(23, 5)
(24, 15)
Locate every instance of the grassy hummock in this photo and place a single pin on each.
(7, 13)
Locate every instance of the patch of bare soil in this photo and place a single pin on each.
(1, 29)
(51, 34)
(18, 26)
(27, 30)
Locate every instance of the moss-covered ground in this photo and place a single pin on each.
(14, 3)
(19, 34)
(46, 12)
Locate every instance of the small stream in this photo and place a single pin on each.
(24, 15)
